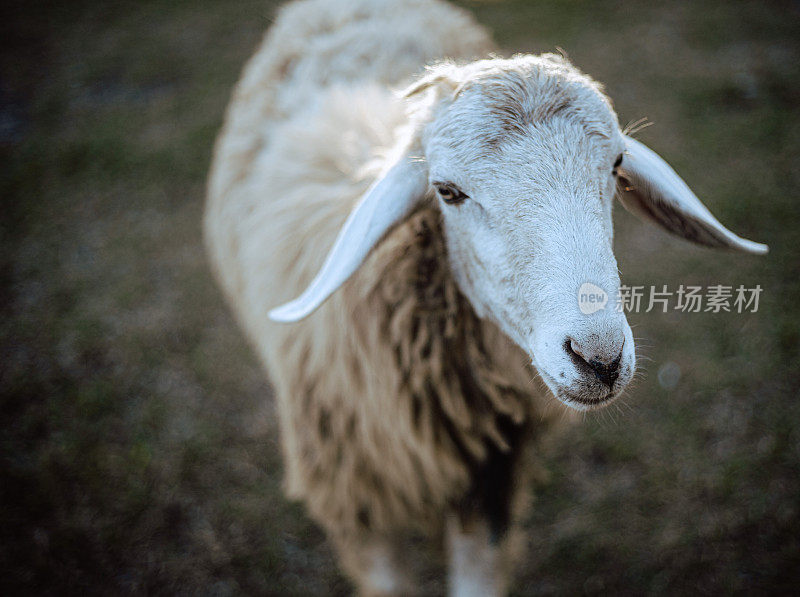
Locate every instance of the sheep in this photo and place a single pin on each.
(426, 248)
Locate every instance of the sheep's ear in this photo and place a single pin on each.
(440, 77)
(651, 189)
(386, 202)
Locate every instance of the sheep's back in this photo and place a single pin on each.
(316, 44)
(304, 136)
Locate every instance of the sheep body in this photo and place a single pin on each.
(395, 400)
(399, 406)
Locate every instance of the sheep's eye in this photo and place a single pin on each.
(617, 164)
(450, 193)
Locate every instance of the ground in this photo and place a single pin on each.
(139, 446)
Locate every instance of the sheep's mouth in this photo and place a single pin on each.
(580, 401)
(583, 403)
(590, 399)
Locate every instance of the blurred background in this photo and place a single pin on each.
(139, 448)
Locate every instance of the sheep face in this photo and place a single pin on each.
(523, 154)
(526, 156)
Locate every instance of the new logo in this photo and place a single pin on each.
(591, 298)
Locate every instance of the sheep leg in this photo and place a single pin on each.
(483, 532)
(479, 563)
(376, 565)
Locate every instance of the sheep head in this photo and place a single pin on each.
(525, 156)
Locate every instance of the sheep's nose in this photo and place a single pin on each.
(605, 369)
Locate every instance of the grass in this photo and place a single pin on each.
(139, 442)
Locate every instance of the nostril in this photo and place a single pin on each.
(576, 354)
(576, 349)
(606, 371)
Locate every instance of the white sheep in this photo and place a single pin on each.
(459, 219)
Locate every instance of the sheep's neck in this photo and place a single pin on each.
(461, 372)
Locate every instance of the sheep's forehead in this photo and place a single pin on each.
(505, 113)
